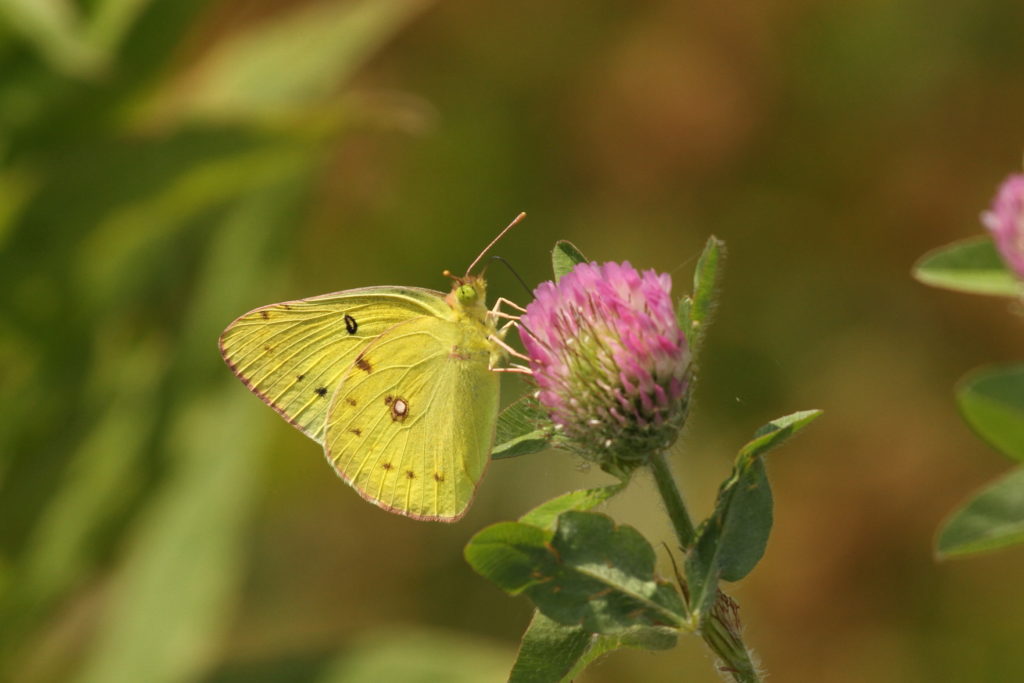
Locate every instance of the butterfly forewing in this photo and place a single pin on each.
(412, 423)
(293, 354)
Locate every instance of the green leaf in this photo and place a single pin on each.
(973, 265)
(640, 637)
(546, 514)
(507, 552)
(187, 551)
(705, 283)
(564, 258)
(992, 402)
(702, 572)
(523, 428)
(775, 432)
(637, 637)
(745, 521)
(993, 519)
(589, 573)
(55, 29)
(684, 314)
(549, 651)
(553, 652)
(732, 541)
(300, 57)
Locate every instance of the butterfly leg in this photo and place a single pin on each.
(499, 337)
(498, 341)
(508, 349)
(502, 300)
(518, 369)
(496, 311)
(503, 330)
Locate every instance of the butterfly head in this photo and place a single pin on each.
(468, 296)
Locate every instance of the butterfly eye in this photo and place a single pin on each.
(466, 294)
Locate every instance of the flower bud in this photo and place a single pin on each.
(610, 362)
(1005, 221)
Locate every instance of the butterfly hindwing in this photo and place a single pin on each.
(293, 354)
(412, 423)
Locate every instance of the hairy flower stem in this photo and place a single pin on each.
(673, 501)
(722, 630)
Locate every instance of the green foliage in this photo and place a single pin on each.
(130, 459)
(732, 541)
(213, 440)
(551, 651)
(546, 514)
(702, 574)
(695, 311)
(775, 433)
(243, 78)
(588, 572)
(972, 265)
(203, 509)
(743, 520)
(992, 519)
(992, 402)
(592, 582)
(523, 428)
(564, 258)
(58, 33)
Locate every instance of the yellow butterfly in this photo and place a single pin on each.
(398, 384)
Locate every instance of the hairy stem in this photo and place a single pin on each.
(673, 501)
(722, 629)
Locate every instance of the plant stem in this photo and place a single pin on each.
(721, 630)
(673, 501)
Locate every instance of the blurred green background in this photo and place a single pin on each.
(166, 165)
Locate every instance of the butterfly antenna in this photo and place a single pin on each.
(513, 271)
(501, 234)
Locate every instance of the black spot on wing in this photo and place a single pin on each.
(350, 324)
(438, 477)
(321, 391)
(265, 315)
(409, 474)
(299, 378)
